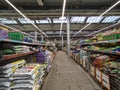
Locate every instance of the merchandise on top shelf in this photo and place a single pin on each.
(109, 35)
(3, 33)
(28, 39)
(105, 48)
(16, 36)
(6, 73)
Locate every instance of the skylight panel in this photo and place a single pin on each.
(110, 19)
(77, 19)
(94, 19)
(2, 19)
(42, 21)
(9, 22)
(57, 20)
(25, 21)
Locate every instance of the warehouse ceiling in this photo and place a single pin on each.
(46, 15)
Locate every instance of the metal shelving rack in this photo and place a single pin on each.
(104, 52)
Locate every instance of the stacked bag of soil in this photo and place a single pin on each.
(6, 73)
(29, 77)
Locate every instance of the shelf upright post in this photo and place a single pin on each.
(42, 38)
(35, 35)
(62, 42)
(68, 37)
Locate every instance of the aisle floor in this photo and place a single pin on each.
(67, 75)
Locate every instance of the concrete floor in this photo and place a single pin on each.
(67, 75)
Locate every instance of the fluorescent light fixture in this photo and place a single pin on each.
(110, 19)
(24, 16)
(99, 16)
(103, 29)
(14, 29)
(94, 19)
(42, 21)
(40, 2)
(63, 12)
(77, 19)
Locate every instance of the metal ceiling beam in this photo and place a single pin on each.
(55, 13)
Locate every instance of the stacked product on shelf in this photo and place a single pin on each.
(3, 33)
(28, 39)
(84, 59)
(7, 49)
(109, 35)
(15, 36)
(104, 58)
(45, 57)
(40, 57)
(112, 48)
(112, 34)
(106, 71)
(107, 64)
(6, 73)
(21, 49)
(29, 77)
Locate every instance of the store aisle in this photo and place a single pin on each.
(67, 75)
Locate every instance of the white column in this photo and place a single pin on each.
(68, 37)
(42, 38)
(35, 36)
(62, 42)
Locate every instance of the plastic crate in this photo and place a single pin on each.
(114, 83)
(106, 81)
(92, 70)
(98, 75)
